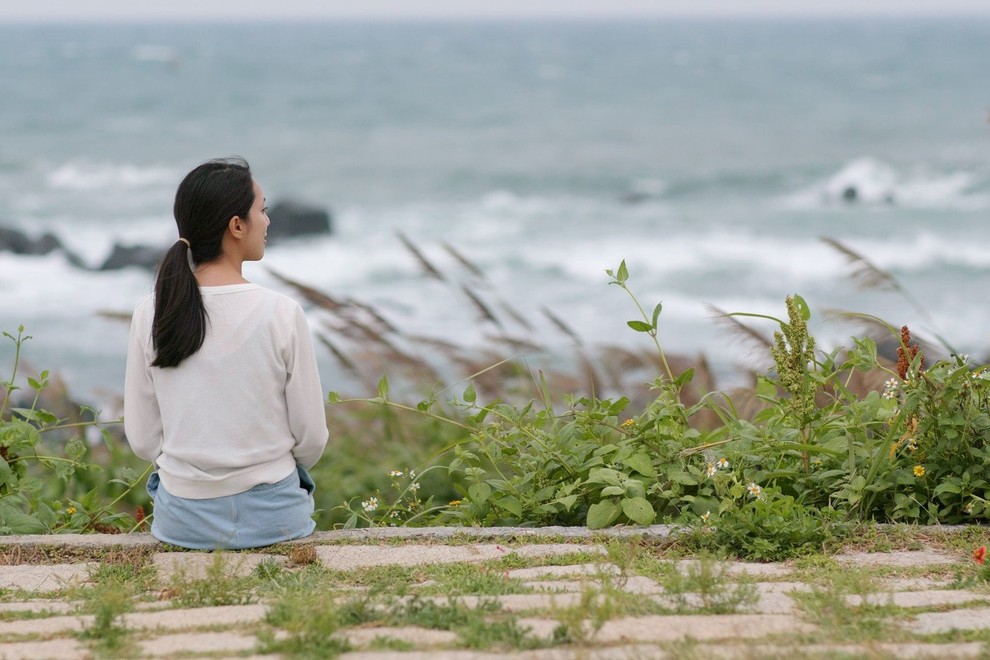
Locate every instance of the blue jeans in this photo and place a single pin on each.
(263, 515)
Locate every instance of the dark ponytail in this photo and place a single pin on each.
(206, 200)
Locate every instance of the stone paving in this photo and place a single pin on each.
(560, 595)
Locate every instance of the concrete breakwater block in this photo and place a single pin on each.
(699, 627)
(907, 559)
(349, 557)
(50, 577)
(196, 565)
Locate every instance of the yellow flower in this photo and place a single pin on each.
(626, 424)
(70, 510)
(455, 502)
(919, 470)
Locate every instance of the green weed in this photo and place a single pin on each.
(828, 607)
(221, 584)
(704, 586)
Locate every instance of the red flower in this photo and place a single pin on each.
(980, 554)
(906, 353)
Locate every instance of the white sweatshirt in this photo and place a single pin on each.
(241, 411)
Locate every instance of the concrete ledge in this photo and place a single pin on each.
(145, 540)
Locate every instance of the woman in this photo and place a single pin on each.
(222, 392)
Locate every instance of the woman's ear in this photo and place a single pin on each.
(237, 226)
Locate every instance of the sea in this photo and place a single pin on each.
(713, 156)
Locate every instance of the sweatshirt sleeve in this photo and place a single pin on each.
(304, 396)
(142, 417)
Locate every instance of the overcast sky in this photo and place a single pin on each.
(102, 10)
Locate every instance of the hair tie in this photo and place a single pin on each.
(186, 241)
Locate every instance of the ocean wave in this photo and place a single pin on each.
(155, 53)
(869, 181)
(88, 176)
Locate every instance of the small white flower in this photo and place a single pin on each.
(412, 474)
(890, 384)
(370, 505)
(414, 486)
(395, 473)
(394, 514)
(968, 508)
(753, 489)
(722, 464)
(707, 515)
(711, 470)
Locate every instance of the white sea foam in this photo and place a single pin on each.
(84, 175)
(870, 181)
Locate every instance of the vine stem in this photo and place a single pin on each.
(17, 360)
(653, 332)
(402, 406)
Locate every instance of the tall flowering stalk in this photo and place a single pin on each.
(906, 353)
(793, 352)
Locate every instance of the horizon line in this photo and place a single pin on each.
(497, 18)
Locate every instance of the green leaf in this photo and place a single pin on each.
(623, 273)
(947, 487)
(765, 389)
(479, 493)
(604, 476)
(656, 313)
(802, 307)
(603, 514)
(20, 522)
(684, 478)
(511, 504)
(618, 406)
(569, 501)
(383, 387)
(7, 475)
(686, 377)
(333, 397)
(469, 394)
(641, 463)
(64, 471)
(19, 435)
(638, 510)
(609, 491)
(75, 449)
(640, 326)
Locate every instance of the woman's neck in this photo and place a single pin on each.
(219, 273)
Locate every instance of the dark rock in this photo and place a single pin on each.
(12, 240)
(635, 197)
(850, 194)
(292, 218)
(18, 242)
(143, 256)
